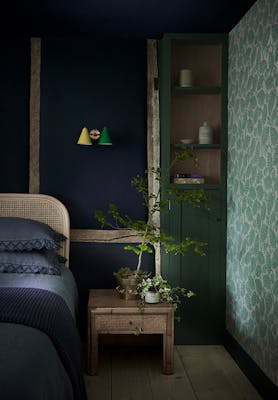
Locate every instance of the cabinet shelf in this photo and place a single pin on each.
(195, 146)
(190, 186)
(185, 108)
(197, 90)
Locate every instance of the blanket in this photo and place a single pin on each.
(48, 312)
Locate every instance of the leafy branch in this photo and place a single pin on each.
(149, 233)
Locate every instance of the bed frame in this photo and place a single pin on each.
(39, 207)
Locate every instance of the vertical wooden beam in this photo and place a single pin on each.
(153, 140)
(34, 145)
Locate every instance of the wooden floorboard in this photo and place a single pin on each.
(99, 386)
(214, 375)
(200, 373)
(166, 387)
(129, 376)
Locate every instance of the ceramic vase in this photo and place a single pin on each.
(185, 78)
(152, 297)
(205, 134)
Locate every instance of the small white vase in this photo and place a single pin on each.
(152, 297)
(205, 134)
(185, 78)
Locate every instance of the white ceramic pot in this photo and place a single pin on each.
(205, 134)
(152, 297)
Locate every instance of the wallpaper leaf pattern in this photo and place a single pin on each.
(252, 243)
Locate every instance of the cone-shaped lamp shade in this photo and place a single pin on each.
(84, 137)
(105, 137)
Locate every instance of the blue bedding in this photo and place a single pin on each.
(64, 285)
(30, 365)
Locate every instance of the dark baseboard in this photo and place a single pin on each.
(256, 376)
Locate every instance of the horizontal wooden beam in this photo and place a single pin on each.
(104, 236)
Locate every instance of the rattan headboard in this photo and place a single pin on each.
(41, 208)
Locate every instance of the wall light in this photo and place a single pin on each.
(88, 137)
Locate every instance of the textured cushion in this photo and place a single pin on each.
(34, 262)
(17, 234)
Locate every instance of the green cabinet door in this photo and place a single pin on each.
(202, 318)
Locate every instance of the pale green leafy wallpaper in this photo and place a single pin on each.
(252, 260)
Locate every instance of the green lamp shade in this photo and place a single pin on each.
(105, 138)
(84, 137)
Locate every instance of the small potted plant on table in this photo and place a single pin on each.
(156, 289)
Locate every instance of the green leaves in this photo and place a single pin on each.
(184, 155)
(155, 201)
(139, 248)
(167, 293)
(196, 198)
(182, 247)
(100, 217)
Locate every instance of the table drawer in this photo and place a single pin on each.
(128, 323)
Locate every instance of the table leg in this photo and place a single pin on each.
(168, 361)
(168, 345)
(92, 348)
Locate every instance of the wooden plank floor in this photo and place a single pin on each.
(201, 373)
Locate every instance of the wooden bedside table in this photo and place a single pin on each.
(109, 314)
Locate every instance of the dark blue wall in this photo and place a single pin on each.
(93, 265)
(93, 83)
(84, 82)
(14, 112)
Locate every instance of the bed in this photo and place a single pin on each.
(40, 351)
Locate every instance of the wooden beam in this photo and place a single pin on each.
(153, 139)
(34, 113)
(104, 236)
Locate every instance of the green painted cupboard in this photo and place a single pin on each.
(193, 90)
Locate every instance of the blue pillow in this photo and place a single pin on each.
(34, 262)
(17, 234)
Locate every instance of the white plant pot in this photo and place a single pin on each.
(152, 297)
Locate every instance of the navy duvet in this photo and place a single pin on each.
(37, 359)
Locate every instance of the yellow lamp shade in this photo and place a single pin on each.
(84, 137)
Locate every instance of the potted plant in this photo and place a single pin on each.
(128, 282)
(157, 289)
(151, 234)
